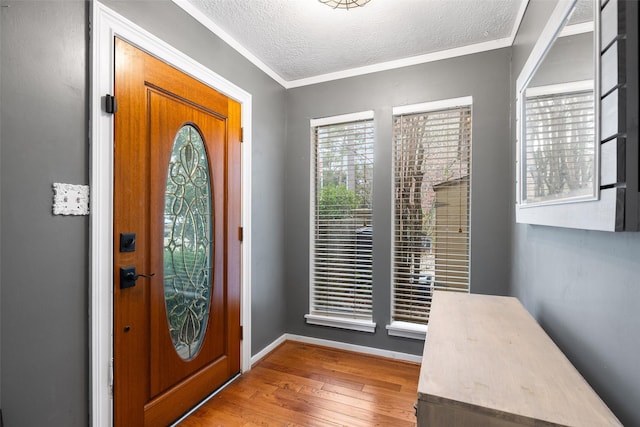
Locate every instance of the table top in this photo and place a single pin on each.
(487, 352)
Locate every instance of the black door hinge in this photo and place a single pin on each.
(241, 333)
(110, 104)
(240, 233)
(241, 134)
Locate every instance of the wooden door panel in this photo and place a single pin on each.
(172, 404)
(153, 385)
(167, 116)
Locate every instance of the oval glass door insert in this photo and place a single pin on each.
(188, 243)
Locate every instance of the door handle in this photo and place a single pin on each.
(129, 277)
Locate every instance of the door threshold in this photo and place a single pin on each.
(205, 400)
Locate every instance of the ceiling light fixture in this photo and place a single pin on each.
(344, 4)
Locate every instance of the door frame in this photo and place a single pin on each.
(105, 25)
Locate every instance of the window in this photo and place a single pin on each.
(341, 233)
(559, 157)
(432, 177)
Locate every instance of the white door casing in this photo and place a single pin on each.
(105, 25)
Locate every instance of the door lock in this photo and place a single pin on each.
(127, 242)
(128, 276)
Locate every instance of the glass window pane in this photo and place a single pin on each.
(188, 243)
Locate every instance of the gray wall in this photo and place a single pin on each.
(1, 49)
(582, 286)
(570, 59)
(44, 270)
(484, 76)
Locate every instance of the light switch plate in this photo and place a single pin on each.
(70, 199)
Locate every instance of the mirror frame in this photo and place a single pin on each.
(587, 212)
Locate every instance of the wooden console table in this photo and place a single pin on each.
(488, 363)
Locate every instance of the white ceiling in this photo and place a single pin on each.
(300, 42)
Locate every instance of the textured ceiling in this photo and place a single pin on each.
(583, 12)
(303, 39)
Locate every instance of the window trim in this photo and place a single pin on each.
(426, 107)
(342, 118)
(341, 322)
(316, 319)
(407, 330)
(561, 88)
(402, 328)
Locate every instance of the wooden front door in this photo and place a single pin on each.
(177, 192)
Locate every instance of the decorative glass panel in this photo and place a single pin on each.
(188, 244)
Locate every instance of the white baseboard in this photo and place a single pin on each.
(268, 349)
(337, 345)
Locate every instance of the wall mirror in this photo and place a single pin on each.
(557, 126)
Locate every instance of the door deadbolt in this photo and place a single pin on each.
(127, 242)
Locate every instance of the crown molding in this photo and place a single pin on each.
(215, 29)
(401, 63)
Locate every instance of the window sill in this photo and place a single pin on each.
(407, 330)
(341, 322)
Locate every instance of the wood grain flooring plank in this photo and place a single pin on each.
(262, 411)
(283, 379)
(307, 385)
(356, 382)
(355, 363)
(382, 408)
(350, 415)
(321, 409)
(316, 375)
(347, 362)
(400, 406)
(397, 399)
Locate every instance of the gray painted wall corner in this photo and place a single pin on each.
(581, 286)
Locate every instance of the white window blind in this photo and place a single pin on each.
(432, 173)
(559, 150)
(341, 252)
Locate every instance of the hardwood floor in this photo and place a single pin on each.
(306, 385)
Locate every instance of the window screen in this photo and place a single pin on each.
(341, 260)
(432, 177)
